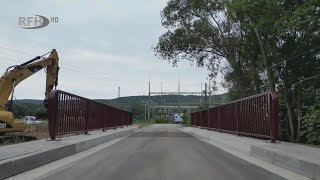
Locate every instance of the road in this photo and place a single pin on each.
(160, 152)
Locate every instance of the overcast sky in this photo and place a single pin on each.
(102, 44)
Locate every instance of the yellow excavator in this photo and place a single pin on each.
(14, 75)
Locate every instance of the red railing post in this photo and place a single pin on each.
(104, 119)
(219, 118)
(128, 119)
(131, 118)
(88, 114)
(52, 113)
(122, 118)
(200, 119)
(237, 117)
(208, 115)
(274, 116)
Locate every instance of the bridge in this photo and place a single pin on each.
(90, 140)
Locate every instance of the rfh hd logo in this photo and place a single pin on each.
(36, 21)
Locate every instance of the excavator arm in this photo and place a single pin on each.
(16, 74)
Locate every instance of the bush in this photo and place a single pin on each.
(186, 119)
(311, 125)
(162, 120)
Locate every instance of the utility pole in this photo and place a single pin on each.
(161, 95)
(179, 95)
(145, 109)
(201, 95)
(205, 94)
(165, 108)
(145, 112)
(210, 94)
(119, 96)
(149, 100)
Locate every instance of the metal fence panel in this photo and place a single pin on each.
(69, 113)
(255, 116)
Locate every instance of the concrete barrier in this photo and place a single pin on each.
(49, 151)
(295, 164)
(262, 154)
(300, 159)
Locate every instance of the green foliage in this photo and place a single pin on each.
(162, 120)
(20, 110)
(186, 119)
(138, 110)
(311, 125)
(13, 140)
(142, 123)
(154, 120)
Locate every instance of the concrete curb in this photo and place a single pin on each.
(16, 165)
(297, 165)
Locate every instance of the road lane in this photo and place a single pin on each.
(161, 152)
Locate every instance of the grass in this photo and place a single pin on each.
(141, 123)
(40, 131)
(15, 140)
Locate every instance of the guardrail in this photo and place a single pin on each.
(254, 116)
(69, 113)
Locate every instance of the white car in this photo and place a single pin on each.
(177, 119)
(31, 120)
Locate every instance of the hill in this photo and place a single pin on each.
(25, 107)
(31, 101)
(167, 99)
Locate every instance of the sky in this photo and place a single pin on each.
(102, 44)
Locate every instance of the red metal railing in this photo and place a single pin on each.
(69, 113)
(255, 116)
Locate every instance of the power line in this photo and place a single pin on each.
(305, 79)
(11, 55)
(286, 60)
(98, 82)
(2, 57)
(60, 52)
(81, 72)
(102, 79)
(20, 52)
(91, 77)
(302, 54)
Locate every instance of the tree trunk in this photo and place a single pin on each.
(289, 118)
(265, 61)
(299, 117)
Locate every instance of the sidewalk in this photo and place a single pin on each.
(18, 158)
(301, 159)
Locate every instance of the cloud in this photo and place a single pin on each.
(101, 45)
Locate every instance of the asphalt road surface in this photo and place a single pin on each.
(161, 152)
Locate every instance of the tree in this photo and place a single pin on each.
(311, 124)
(20, 110)
(196, 33)
(138, 110)
(267, 44)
